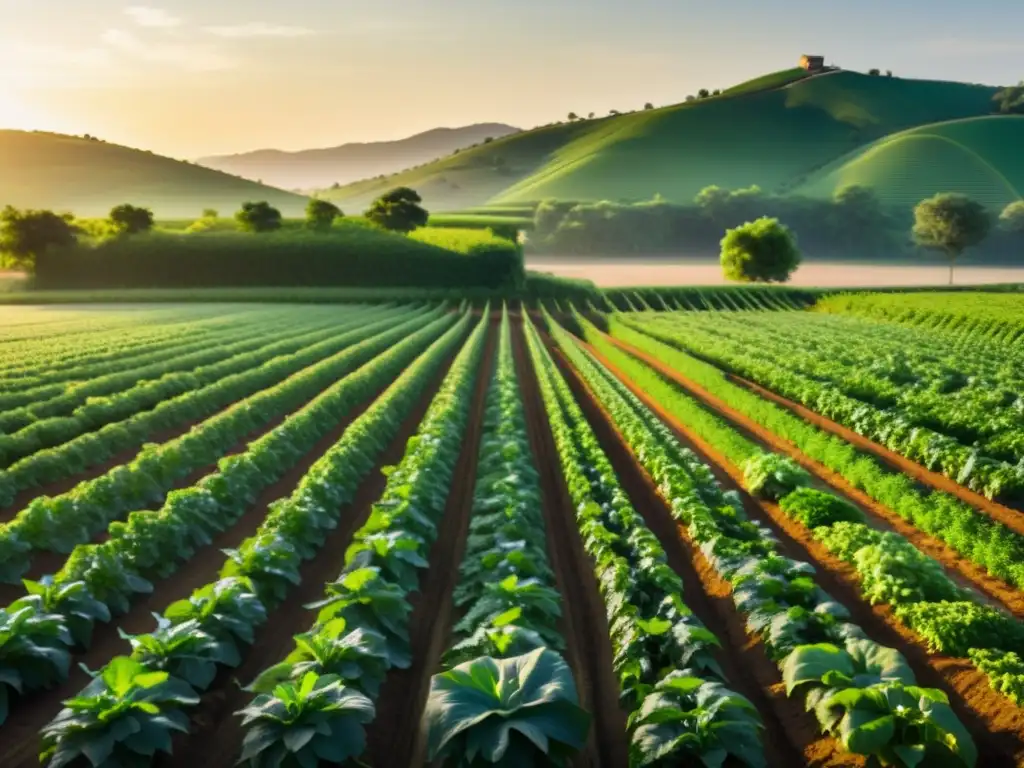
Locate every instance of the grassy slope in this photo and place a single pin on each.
(774, 138)
(88, 178)
(980, 157)
(767, 82)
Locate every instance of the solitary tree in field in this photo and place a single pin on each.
(761, 251)
(950, 223)
(320, 214)
(258, 217)
(648, 105)
(590, 116)
(398, 210)
(573, 117)
(1012, 217)
(27, 235)
(130, 219)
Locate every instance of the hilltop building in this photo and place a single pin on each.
(812, 63)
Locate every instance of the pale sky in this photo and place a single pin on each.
(189, 78)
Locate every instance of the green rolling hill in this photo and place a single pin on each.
(778, 132)
(89, 177)
(981, 157)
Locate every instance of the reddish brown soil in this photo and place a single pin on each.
(216, 734)
(791, 736)
(22, 727)
(994, 588)
(585, 625)
(404, 693)
(997, 726)
(1011, 518)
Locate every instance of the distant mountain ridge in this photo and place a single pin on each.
(318, 168)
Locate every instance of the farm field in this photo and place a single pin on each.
(412, 533)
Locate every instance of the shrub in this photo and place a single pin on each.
(771, 476)
(761, 251)
(258, 217)
(131, 220)
(813, 508)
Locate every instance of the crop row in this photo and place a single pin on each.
(29, 363)
(948, 619)
(862, 693)
(970, 533)
(59, 523)
(133, 705)
(42, 425)
(49, 400)
(679, 703)
(361, 630)
(99, 580)
(903, 413)
(504, 672)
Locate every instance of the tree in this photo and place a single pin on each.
(716, 92)
(648, 105)
(888, 73)
(950, 223)
(874, 72)
(573, 117)
(613, 112)
(761, 251)
(1010, 101)
(398, 210)
(703, 93)
(258, 217)
(590, 116)
(320, 214)
(130, 220)
(1012, 217)
(27, 235)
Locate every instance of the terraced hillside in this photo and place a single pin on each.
(774, 138)
(429, 533)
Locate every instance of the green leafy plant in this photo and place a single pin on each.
(1005, 670)
(33, 651)
(70, 600)
(125, 716)
(358, 656)
(771, 476)
(519, 711)
(183, 650)
(814, 508)
(226, 608)
(316, 718)
(688, 719)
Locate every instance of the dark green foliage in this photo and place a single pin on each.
(812, 508)
(1012, 218)
(27, 235)
(398, 210)
(1010, 101)
(258, 217)
(129, 219)
(348, 256)
(320, 214)
(763, 251)
(951, 223)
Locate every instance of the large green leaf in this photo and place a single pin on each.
(481, 704)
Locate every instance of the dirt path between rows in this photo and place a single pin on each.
(994, 588)
(216, 734)
(403, 696)
(588, 642)
(997, 726)
(790, 737)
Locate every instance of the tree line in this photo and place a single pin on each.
(26, 234)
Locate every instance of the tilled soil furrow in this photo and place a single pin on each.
(791, 736)
(215, 738)
(997, 726)
(588, 643)
(404, 694)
